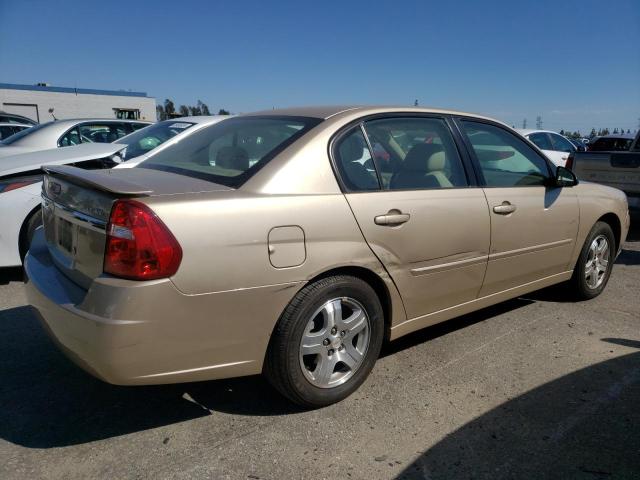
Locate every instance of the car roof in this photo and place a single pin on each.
(199, 119)
(529, 131)
(326, 112)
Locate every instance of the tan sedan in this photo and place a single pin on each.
(294, 242)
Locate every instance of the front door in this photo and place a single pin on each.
(413, 203)
(533, 225)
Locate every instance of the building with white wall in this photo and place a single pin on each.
(43, 103)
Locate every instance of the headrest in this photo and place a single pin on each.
(351, 148)
(437, 161)
(234, 158)
(417, 157)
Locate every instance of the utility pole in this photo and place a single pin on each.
(524, 123)
(539, 122)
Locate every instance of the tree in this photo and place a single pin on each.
(184, 111)
(562, 132)
(169, 108)
(615, 131)
(204, 108)
(628, 131)
(593, 133)
(222, 111)
(605, 131)
(160, 115)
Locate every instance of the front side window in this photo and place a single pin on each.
(504, 159)
(231, 151)
(354, 162)
(561, 144)
(415, 153)
(541, 140)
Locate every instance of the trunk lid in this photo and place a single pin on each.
(76, 205)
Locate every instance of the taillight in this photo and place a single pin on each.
(139, 246)
(569, 163)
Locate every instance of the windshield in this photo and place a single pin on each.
(17, 136)
(230, 152)
(148, 138)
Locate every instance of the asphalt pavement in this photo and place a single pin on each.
(537, 387)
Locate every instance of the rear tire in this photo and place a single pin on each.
(27, 232)
(595, 263)
(326, 341)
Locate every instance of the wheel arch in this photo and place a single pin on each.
(614, 222)
(23, 231)
(375, 281)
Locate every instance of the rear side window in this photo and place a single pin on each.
(561, 144)
(355, 163)
(231, 151)
(541, 140)
(505, 160)
(72, 137)
(415, 153)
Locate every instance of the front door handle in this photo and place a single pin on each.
(505, 209)
(392, 218)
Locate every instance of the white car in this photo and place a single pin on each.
(66, 133)
(21, 175)
(553, 145)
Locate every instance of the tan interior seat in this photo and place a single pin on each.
(436, 166)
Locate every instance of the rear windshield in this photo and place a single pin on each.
(148, 138)
(230, 152)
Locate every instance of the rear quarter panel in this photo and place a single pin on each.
(224, 238)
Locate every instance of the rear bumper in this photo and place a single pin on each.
(141, 333)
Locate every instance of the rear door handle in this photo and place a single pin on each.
(392, 218)
(504, 209)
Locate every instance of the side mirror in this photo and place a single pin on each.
(565, 177)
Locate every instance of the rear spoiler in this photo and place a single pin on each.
(97, 179)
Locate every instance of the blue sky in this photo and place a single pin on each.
(575, 63)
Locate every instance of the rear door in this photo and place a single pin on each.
(533, 225)
(416, 205)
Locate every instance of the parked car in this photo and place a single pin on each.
(264, 244)
(616, 168)
(8, 129)
(579, 144)
(21, 175)
(66, 133)
(552, 144)
(611, 143)
(6, 117)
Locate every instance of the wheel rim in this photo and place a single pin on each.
(595, 270)
(334, 342)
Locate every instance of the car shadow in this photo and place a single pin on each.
(49, 402)
(582, 425)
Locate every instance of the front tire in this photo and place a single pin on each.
(595, 263)
(326, 341)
